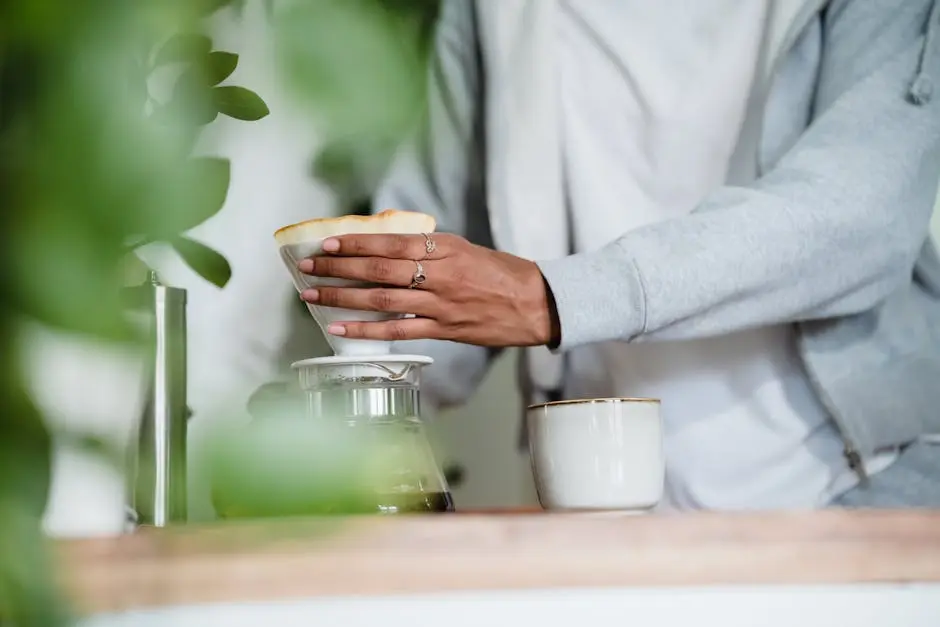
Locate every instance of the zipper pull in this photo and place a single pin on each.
(856, 465)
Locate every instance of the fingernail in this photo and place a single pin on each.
(311, 295)
(331, 245)
(306, 266)
(336, 329)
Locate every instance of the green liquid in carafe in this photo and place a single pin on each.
(420, 503)
(407, 477)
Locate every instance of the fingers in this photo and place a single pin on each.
(375, 299)
(390, 246)
(369, 269)
(391, 330)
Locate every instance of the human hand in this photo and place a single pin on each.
(468, 294)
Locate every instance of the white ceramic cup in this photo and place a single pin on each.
(597, 454)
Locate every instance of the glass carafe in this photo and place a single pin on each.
(379, 401)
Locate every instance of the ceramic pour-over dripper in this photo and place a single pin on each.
(305, 239)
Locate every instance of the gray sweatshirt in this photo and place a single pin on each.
(829, 231)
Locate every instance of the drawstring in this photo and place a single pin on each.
(923, 86)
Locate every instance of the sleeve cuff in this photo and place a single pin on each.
(598, 296)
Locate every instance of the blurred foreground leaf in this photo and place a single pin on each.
(27, 595)
(204, 190)
(192, 101)
(359, 64)
(85, 169)
(240, 103)
(206, 262)
(25, 447)
(353, 167)
(219, 66)
(207, 7)
(183, 48)
(369, 97)
(197, 191)
(290, 466)
(91, 160)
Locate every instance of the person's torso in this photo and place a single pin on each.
(895, 343)
(653, 98)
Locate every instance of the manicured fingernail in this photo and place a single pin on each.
(331, 245)
(336, 329)
(306, 266)
(311, 295)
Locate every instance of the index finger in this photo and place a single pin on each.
(388, 245)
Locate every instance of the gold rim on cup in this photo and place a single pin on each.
(584, 401)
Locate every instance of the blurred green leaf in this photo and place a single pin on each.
(137, 88)
(204, 188)
(135, 270)
(286, 465)
(83, 172)
(25, 446)
(183, 48)
(353, 167)
(192, 101)
(208, 7)
(240, 103)
(219, 66)
(77, 268)
(204, 261)
(194, 191)
(27, 596)
(359, 64)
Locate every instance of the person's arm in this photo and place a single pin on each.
(832, 230)
(437, 172)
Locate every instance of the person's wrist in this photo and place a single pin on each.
(553, 339)
(538, 319)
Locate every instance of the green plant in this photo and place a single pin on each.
(94, 163)
(197, 99)
(92, 166)
(385, 45)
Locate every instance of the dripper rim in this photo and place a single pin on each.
(348, 360)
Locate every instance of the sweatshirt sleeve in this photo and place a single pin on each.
(831, 230)
(437, 172)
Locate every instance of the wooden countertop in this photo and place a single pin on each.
(395, 555)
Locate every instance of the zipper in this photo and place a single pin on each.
(920, 93)
(855, 464)
(849, 450)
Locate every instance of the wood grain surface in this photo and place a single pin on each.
(401, 555)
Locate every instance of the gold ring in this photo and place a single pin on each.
(429, 246)
(419, 276)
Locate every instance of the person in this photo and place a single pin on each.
(723, 204)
